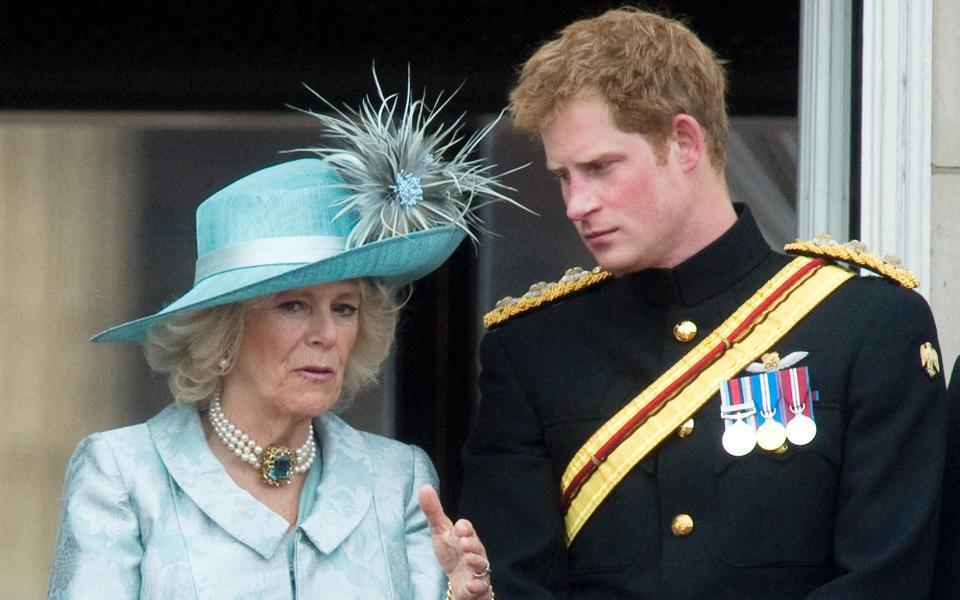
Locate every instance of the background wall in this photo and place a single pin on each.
(56, 276)
(945, 178)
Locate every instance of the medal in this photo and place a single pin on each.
(771, 435)
(801, 429)
(777, 398)
(739, 422)
(739, 438)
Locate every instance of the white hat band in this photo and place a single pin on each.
(268, 251)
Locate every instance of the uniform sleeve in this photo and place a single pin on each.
(510, 492)
(947, 580)
(98, 549)
(893, 457)
(426, 577)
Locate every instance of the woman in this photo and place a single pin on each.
(247, 486)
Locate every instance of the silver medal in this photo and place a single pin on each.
(801, 429)
(739, 438)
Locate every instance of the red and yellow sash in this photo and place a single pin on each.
(620, 443)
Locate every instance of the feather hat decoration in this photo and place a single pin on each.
(391, 154)
(384, 204)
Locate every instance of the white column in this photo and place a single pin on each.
(823, 203)
(895, 133)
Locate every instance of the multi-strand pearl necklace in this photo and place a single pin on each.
(276, 463)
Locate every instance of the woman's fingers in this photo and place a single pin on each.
(464, 528)
(468, 541)
(458, 548)
(430, 505)
(475, 562)
(477, 587)
(471, 544)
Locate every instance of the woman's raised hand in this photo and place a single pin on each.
(459, 550)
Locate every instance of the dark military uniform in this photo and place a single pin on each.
(947, 582)
(852, 514)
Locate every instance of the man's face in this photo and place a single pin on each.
(629, 210)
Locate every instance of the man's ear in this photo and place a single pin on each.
(688, 142)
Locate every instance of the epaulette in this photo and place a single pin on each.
(543, 293)
(856, 253)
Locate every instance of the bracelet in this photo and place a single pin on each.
(450, 592)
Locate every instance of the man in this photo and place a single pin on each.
(732, 495)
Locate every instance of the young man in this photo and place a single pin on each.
(704, 418)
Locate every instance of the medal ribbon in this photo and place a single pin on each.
(768, 397)
(620, 443)
(737, 406)
(796, 386)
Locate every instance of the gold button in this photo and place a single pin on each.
(685, 331)
(681, 525)
(686, 429)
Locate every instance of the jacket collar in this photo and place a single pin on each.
(722, 263)
(344, 493)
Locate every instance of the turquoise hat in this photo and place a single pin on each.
(276, 230)
(382, 204)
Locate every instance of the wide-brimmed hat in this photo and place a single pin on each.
(382, 204)
(275, 230)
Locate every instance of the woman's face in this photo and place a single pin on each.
(294, 350)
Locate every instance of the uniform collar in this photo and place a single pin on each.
(343, 496)
(725, 261)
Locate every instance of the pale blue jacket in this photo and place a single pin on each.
(149, 512)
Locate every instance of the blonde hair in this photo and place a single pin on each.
(188, 348)
(648, 68)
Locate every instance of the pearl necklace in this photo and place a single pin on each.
(276, 463)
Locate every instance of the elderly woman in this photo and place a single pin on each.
(247, 486)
